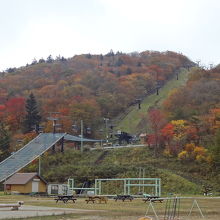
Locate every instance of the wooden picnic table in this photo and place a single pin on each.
(90, 199)
(65, 198)
(101, 199)
(123, 198)
(152, 199)
(157, 200)
(93, 199)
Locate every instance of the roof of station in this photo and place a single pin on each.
(69, 137)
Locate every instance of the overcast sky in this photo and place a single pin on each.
(37, 28)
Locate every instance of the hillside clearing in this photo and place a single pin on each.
(130, 123)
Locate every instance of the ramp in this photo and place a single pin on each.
(28, 153)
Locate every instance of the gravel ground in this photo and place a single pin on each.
(31, 211)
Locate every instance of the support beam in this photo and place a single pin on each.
(62, 145)
(125, 186)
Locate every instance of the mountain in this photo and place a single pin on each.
(87, 87)
(165, 95)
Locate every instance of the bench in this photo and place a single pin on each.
(157, 200)
(149, 197)
(123, 198)
(152, 199)
(98, 199)
(13, 207)
(65, 198)
(90, 199)
(101, 199)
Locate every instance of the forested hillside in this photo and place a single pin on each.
(183, 142)
(85, 87)
(192, 112)
(182, 126)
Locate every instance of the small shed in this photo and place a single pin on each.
(57, 189)
(25, 183)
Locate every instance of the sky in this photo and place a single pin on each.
(38, 28)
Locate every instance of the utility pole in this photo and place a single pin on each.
(157, 87)
(80, 129)
(81, 148)
(39, 165)
(106, 128)
(101, 131)
(54, 117)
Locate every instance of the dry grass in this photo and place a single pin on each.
(120, 210)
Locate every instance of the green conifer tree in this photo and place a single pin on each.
(216, 150)
(4, 142)
(32, 118)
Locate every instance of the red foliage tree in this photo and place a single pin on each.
(2, 111)
(168, 132)
(15, 108)
(157, 121)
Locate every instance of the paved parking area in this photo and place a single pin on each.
(32, 211)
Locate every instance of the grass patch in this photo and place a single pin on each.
(131, 122)
(120, 210)
(177, 177)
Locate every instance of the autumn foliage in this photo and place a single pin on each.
(87, 87)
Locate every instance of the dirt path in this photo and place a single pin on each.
(32, 211)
